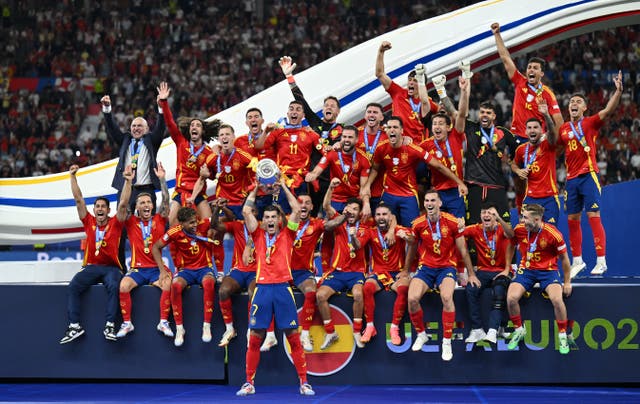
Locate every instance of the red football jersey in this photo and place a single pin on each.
(369, 144)
(541, 181)
(232, 171)
(304, 243)
(293, 148)
(400, 167)
(341, 165)
(409, 111)
(437, 251)
(276, 266)
(491, 246)
(142, 235)
(240, 237)
(247, 144)
(191, 253)
(110, 241)
(344, 259)
(189, 158)
(525, 104)
(450, 156)
(385, 258)
(577, 159)
(542, 247)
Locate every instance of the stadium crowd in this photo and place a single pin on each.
(213, 66)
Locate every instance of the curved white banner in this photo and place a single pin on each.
(41, 209)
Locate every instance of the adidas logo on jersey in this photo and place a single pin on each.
(595, 206)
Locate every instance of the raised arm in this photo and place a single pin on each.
(163, 210)
(552, 128)
(163, 102)
(381, 75)
(503, 52)
(110, 124)
(463, 104)
(260, 140)
(326, 202)
(421, 78)
(125, 196)
(294, 217)
(287, 66)
(77, 193)
(614, 101)
(247, 211)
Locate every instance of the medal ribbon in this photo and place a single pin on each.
(325, 133)
(194, 153)
(415, 107)
(533, 245)
(437, 235)
(449, 155)
(135, 151)
(491, 137)
(300, 232)
(529, 159)
(579, 133)
(490, 243)
(146, 233)
(372, 148)
(537, 89)
(351, 248)
(99, 238)
(219, 162)
(270, 244)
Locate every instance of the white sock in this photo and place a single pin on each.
(601, 260)
(577, 260)
(394, 325)
(109, 324)
(229, 327)
(370, 324)
(74, 325)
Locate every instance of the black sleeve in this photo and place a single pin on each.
(314, 120)
(112, 129)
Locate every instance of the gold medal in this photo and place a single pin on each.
(587, 149)
(352, 254)
(216, 242)
(453, 167)
(319, 147)
(527, 264)
(192, 159)
(134, 165)
(146, 250)
(268, 259)
(493, 262)
(97, 252)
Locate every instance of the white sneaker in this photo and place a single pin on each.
(206, 332)
(491, 336)
(421, 339)
(246, 389)
(305, 340)
(125, 329)
(164, 327)
(357, 337)
(477, 334)
(502, 333)
(269, 342)
(307, 390)
(329, 340)
(599, 269)
(228, 335)
(447, 353)
(577, 268)
(179, 336)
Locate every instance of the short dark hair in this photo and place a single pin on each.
(253, 109)
(274, 208)
(103, 198)
(541, 61)
(350, 127)
(383, 205)
(442, 115)
(226, 125)
(533, 119)
(412, 73)
(331, 97)
(396, 118)
(185, 214)
(355, 200)
(581, 95)
(375, 104)
(488, 105)
(432, 191)
(141, 194)
(534, 208)
(488, 205)
(296, 102)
